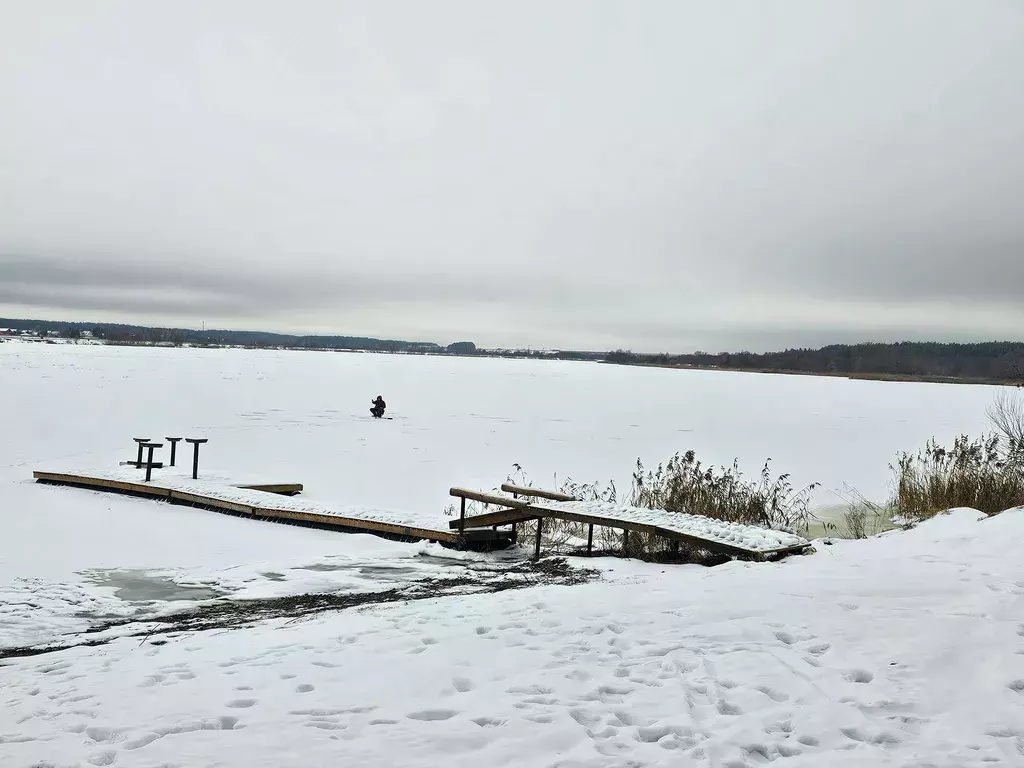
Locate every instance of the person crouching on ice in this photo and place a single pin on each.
(378, 407)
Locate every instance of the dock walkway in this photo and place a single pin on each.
(749, 542)
(266, 502)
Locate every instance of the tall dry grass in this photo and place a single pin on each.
(682, 484)
(983, 473)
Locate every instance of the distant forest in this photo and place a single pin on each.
(994, 361)
(139, 334)
(1001, 361)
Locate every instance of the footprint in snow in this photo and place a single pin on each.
(240, 703)
(431, 715)
(488, 722)
(463, 684)
(108, 757)
(725, 708)
(859, 676)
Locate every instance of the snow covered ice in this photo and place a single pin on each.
(905, 650)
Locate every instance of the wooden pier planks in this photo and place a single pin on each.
(517, 510)
(281, 489)
(262, 509)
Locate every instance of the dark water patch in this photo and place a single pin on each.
(235, 614)
(137, 586)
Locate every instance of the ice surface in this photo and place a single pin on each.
(303, 417)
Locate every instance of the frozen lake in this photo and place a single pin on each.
(303, 417)
(811, 661)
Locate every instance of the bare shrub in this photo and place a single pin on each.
(1007, 415)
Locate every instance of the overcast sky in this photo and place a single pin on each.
(661, 176)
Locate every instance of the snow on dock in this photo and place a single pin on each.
(749, 537)
(733, 539)
(256, 500)
(276, 502)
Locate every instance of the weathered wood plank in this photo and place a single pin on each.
(102, 484)
(488, 498)
(529, 511)
(265, 512)
(281, 489)
(355, 523)
(537, 493)
(499, 517)
(212, 501)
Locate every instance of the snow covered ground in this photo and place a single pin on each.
(906, 650)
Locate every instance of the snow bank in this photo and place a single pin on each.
(900, 650)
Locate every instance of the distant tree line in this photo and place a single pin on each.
(116, 333)
(995, 360)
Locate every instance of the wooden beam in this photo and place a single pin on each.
(499, 517)
(356, 523)
(613, 522)
(211, 501)
(487, 498)
(537, 493)
(85, 481)
(539, 510)
(281, 489)
(268, 512)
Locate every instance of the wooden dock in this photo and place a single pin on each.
(276, 502)
(739, 541)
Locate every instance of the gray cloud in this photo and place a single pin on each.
(669, 176)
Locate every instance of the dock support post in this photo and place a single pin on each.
(138, 459)
(462, 516)
(536, 546)
(149, 457)
(174, 447)
(590, 539)
(196, 442)
(675, 547)
(625, 542)
(515, 533)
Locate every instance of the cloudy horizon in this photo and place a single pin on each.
(665, 176)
